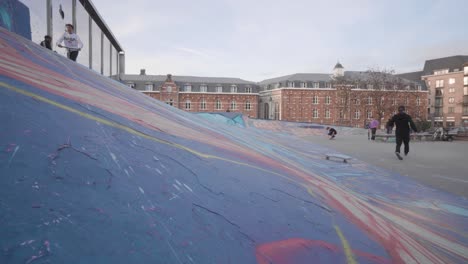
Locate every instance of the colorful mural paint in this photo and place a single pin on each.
(95, 172)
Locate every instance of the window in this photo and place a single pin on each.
(370, 86)
(429, 101)
(188, 105)
(148, 87)
(465, 80)
(131, 85)
(395, 87)
(451, 100)
(327, 113)
(341, 114)
(439, 92)
(357, 101)
(218, 104)
(357, 114)
(316, 85)
(187, 88)
(439, 83)
(406, 101)
(328, 85)
(419, 87)
(169, 89)
(451, 110)
(327, 100)
(465, 90)
(451, 80)
(394, 101)
(438, 72)
(315, 99)
(219, 89)
(303, 85)
(203, 88)
(466, 70)
(248, 105)
(451, 90)
(233, 105)
(315, 113)
(369, 114)
(290, 84)
(418, 101)
(203, 104)
(369, 100)
(233, 89)
(382, 100)
(465, 110)
(248, 89)
(343, 100)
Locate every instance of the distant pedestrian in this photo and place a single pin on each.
(331, 132)
(389, 128)
(403, 123)
(47, 42)
(72, 42)
(374, 124)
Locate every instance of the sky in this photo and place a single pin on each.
(260, 39)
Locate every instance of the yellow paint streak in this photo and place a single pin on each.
(133, 131)
(347, 249)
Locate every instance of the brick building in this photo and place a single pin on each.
(446, 80)
(199, 94)
(347, 98)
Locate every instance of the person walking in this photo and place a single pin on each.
(47, 42)
(72, 42)
(403, 123)
(374, 124)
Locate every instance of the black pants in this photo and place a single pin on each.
(373, 133)
(72, 55)
(402, 139)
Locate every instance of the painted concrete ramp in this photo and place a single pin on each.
(92, 171)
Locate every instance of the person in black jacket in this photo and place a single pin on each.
(331, 132)
(403, 123)
(47, 42)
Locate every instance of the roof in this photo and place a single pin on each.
(451, 63)
(89, 6)
(338, 66)
(314, 77)
(184, 79)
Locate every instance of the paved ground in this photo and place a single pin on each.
(442, 165)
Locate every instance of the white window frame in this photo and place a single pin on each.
(451, 81)
(315, 100)
(303, 84)
(465, 70)
(465, 90)
(219, 89)
(316, 85)
(188, 104)
(315, 113)
(369, 114)
(248, 105)
(203, 104)
(203, 88)
(357, 114)
(327, 113)
(370, 87)
(233, 89)
(218, 104)
(327, 100)
(451, 90)
(149, 87)
(291, 84)
(187, 88)
(233, 105)
(418, 101)
(465, 80)
(439, 83)
(451, 100)
(369, 101)
(248, 89)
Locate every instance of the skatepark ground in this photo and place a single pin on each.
(441, 165)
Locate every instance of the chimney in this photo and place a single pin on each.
(142, 72)
(169, 78)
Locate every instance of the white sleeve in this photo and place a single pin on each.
(60, 39)
(80, 44)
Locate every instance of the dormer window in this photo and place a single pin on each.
(219, 89)
(203, 88)
(187, 88)
(303, 85)
(439, 72)
(149, 87)
(316, 85)
(248, 89)
(290, 84)
(233, 89)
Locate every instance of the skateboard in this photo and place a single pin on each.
(337, 156)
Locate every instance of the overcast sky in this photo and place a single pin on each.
(260, 39)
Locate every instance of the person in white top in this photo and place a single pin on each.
(72, 42)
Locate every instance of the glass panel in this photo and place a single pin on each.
(61, 15)
(106, 58)
(96, 35)
(82, 29)
(115, 60)
(27, 18)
